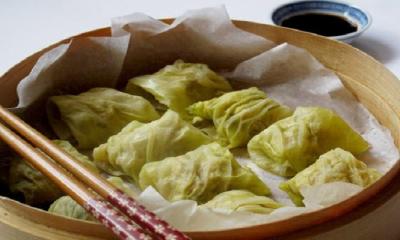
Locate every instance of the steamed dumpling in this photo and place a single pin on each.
(138, 143)
(334, 166)
(67, 207)
(71, 150)
(199, 175)
(290, 145)
(91, 117)
(239, 115)
(179, 85)
(36, 188)
(242, 200)
(124, 186)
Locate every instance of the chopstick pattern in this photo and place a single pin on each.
(120, 225)
(146, 219)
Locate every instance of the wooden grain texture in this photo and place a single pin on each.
(375, 86)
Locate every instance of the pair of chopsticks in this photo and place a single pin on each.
(75, 180)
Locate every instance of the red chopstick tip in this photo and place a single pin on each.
(121, 226)
(149, 221)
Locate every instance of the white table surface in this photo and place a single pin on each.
(30, 25)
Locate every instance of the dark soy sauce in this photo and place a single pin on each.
(323, 24)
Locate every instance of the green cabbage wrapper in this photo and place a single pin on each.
(290, 145)
(71, 150)
(239, 115)
(91, 117)
(122, 185)
(179, 85)
(138, 143)
(336, 165)
(199, 175)
(241, 200)
(67, 207)
(36, 188)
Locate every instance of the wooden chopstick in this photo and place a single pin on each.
(127, 205)
(103, 211)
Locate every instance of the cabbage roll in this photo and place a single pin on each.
(124, 186)
(179, 85)
(89, 118)
(138, 143)
(66, 206)
(71, 150)
(336, 165)
(290, 145)
(36, 188)
(242, 200)
(239, 115)
(199, 175)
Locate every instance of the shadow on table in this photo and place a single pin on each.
(375, 48)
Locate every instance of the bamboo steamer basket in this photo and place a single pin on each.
(374, 86)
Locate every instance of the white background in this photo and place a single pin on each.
(28, 26)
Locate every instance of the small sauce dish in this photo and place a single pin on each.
(333, 19)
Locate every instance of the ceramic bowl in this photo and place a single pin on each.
(357, 16)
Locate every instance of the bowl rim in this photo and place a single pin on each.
(338, 37)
